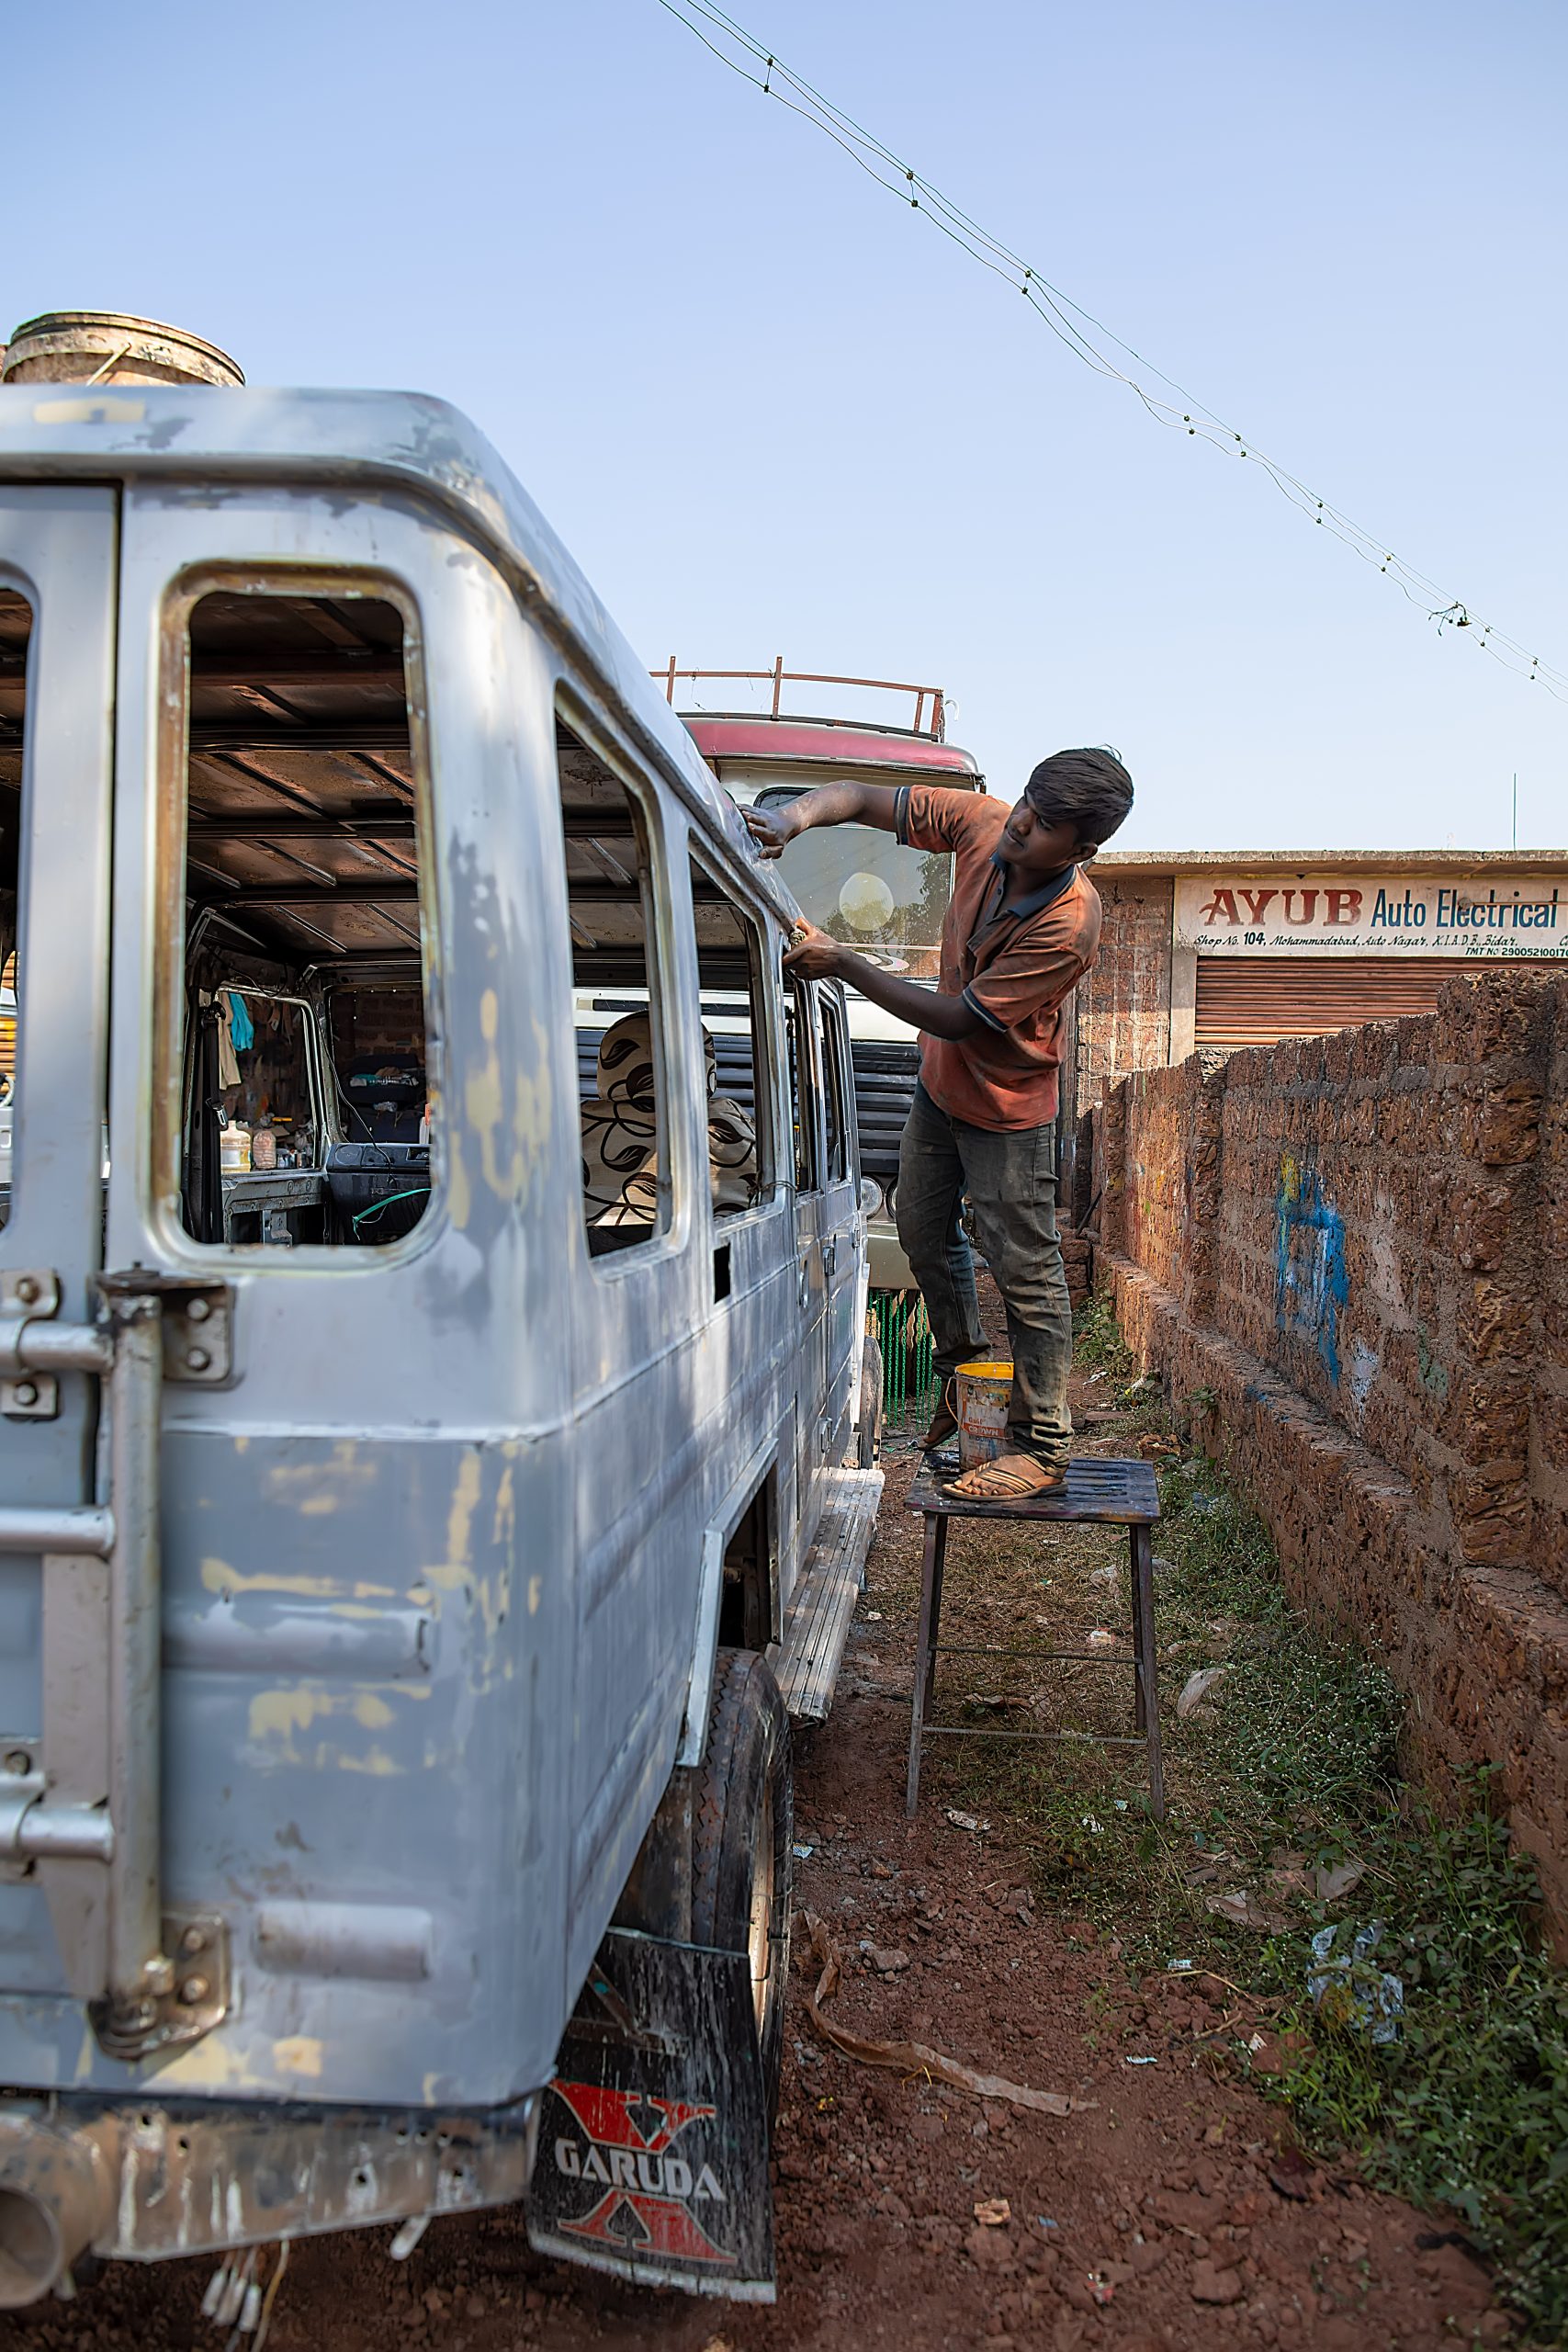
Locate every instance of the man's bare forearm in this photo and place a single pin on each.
(775, 827)
(937, 1015)
(847, 804)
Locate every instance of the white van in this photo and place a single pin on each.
(423, 1464)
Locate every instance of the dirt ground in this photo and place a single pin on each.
(1167, 2211)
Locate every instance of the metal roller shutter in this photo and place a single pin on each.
(1257, 1000)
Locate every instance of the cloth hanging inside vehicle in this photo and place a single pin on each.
(241, 1029)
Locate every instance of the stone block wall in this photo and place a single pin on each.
(1358, 1245)
(1548, 1442)
(1123, 1007)
(1077, 1264)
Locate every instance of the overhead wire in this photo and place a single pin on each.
(1060, 314)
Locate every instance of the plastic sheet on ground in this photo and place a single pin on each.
(1347, 1990)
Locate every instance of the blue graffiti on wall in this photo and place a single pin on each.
(1310, 1285)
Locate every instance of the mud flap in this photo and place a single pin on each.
(653, 2143)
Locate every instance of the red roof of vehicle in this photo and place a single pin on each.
(841, 743)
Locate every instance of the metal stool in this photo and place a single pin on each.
(1123, 1494)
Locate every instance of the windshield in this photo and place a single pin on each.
(859, 885)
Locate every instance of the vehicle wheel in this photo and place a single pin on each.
(743, 1840)
(869, 1436)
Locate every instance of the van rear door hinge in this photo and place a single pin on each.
(35, 1346)
(198, 1321)
(190, 1997)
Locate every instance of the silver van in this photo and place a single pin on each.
(432, 1460)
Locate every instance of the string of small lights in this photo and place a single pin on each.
(1087, 337)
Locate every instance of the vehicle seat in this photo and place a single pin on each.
(620, 1133)
(620, 1128)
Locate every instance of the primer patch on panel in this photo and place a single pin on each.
(218, 1578)
(278, 1715)
(208, 2064)
(454, 1570)
(297, 2053)
(80, 411)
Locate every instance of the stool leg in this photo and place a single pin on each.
(925, 1659)
(938, 1569)
(1148, 1666)
(1140, 1635)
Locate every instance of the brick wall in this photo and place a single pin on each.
(1123, 1007)
(1358, 1245)
(1549, 1393)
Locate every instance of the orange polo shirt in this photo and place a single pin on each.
(1015, 969)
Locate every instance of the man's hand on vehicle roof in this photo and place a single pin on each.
(775, 827)
(770, 829)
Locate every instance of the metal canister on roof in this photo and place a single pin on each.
(112, 347)
(984, 1396)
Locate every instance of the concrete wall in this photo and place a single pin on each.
(1357, 1246)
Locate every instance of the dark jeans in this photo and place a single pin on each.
(1010, 1178)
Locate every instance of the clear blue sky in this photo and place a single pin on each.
(770, 411)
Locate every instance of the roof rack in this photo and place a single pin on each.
(934, 726)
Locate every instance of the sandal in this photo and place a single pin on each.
(944, 1420)
(1010, 1479)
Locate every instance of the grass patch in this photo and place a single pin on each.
(1098, 1344)
(1469, 2110)
(1285, 1770)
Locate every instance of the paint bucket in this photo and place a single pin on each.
(112, 347)
(984, 1394)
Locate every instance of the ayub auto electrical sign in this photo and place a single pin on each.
(1501, 916)
(653, 2142)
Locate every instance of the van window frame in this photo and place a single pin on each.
(764, 1003)
(668, 1238)
(837, 1084)
(181, 594)
(802, 997)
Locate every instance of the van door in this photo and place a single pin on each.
(348, 1485)
(57, 641)
(628, 1237)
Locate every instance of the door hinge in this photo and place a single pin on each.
(198, 1322)
(190, 1998)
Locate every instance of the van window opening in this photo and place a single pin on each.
(737, 997)
(308, 1073)
(623, 1054)
(835, 1108)
(16, 632)
(802, 1088)
(864, 888)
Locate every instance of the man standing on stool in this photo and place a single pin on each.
(1021, 929)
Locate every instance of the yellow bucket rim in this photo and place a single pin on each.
(986, 1371)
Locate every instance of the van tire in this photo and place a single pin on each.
(743, 1840)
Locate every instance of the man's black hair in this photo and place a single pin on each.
(1092, 788)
